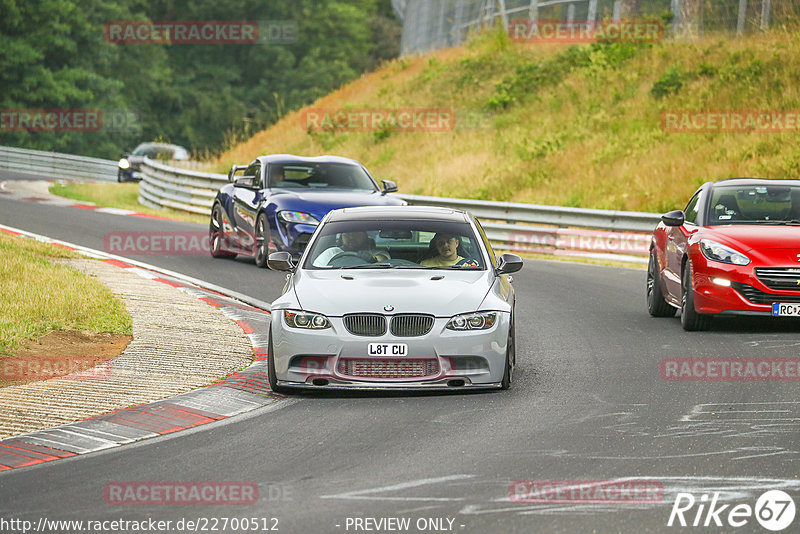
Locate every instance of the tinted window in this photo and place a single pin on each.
(692, 209)
(254, 171)
(754, 204)
(319, 176)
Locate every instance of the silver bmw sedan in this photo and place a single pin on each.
(401, 297)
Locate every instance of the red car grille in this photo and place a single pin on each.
(388, 368)
(782, 279)
(756, 296)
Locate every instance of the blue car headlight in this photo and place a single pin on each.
(303, 319)
(297, 217)
(472, 321)
(719, 252)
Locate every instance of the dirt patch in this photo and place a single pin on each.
(75, 354)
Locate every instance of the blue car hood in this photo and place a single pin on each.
(319, 202)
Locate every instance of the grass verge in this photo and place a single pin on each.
(564, 125)
(40, 296)
(122, 196)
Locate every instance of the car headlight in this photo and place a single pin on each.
(472, 321)
(124, 163)
(297, 217)
(301, 319)
(719, 252)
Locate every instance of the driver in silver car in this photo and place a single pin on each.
(358, 243)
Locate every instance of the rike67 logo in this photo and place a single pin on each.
(774, 510)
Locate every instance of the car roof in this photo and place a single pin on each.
(290, 158)
(398, 212)
(753, 182)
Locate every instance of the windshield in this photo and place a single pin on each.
(423, 244)
(754, 204)
(319, 176)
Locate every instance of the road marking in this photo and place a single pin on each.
(364, 494)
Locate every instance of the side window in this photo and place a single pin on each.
(486, 243)
(692, 208)
(254, 170)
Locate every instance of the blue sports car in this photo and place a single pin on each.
(280, 199)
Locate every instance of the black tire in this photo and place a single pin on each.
(511, 358)
(262, 241)
(656, 305)
(216, 235)
(273, 379)
(690, 319)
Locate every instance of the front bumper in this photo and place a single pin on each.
(460, 359)
(747, 294)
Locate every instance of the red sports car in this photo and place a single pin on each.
(734, 250)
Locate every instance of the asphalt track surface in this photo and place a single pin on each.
(588, 404)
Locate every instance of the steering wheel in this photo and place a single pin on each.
(351, 254)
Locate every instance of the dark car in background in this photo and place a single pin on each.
(279, 201)
(131, 163)
(734, 250)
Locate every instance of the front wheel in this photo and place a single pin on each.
(511, 359)
(656, 304)
(690, 319)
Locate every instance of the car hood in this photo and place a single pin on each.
(406, 290)
(320, 202)
(756, 237)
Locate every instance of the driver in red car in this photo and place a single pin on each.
(358, 243)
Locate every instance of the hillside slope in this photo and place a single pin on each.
(564, 125)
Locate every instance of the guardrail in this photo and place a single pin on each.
(609, 234)
(57, 165)
(163, 186)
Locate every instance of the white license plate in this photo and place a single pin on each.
(387, 349)
(785, 310)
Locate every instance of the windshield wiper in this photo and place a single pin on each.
(381, 265)
(792, 222)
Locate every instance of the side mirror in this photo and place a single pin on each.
(673, 218)
(389, 186)
(244, 181)
(509, 263)
(280, 261)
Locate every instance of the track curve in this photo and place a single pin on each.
(588, 404)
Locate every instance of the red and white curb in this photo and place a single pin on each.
(236, 394)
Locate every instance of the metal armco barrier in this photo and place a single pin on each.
(57, 166)
(609, 234)
(181, 189)
(516, 227)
